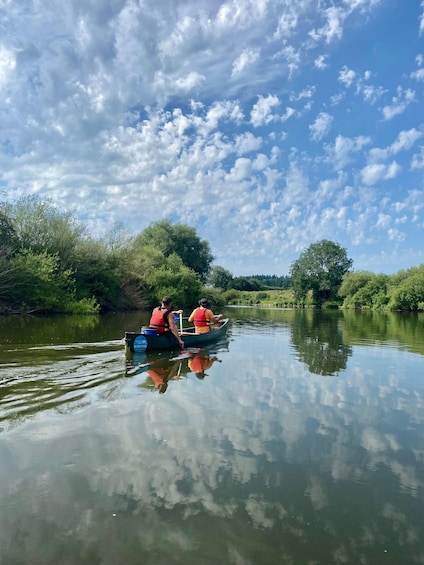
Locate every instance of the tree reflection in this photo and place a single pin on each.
(318, 340)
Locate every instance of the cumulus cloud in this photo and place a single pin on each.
(262, 111)
(347, 76)
(321, 126)
(344, 149)
(371, 174)
(105, 106)
(399, 104)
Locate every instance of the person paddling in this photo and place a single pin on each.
(203, 317)
(162, 319)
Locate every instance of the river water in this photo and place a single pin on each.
(297, 440)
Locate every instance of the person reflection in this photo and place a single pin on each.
(160, 375)
(201, 363)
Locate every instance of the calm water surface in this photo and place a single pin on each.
(298, 440)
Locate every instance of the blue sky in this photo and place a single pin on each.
(266, 125)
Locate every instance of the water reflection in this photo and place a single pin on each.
(162, 370)
(263, 461)
(318, 339)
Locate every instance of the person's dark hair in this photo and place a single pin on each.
(203, 302)
(166, 300)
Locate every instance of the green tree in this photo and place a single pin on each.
(320, 268)
(243, 283)
(181, 240)
(8, 238)
(409, 295)
(41, 227)
(353, 281)
(220, 278)
(97, 273)
(37, 284)
(173, 278)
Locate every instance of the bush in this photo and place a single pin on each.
(83, 306)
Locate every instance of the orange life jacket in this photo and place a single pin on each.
(200, 319)
(159, 319)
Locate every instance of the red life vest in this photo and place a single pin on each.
(159, 319)
(200, 319)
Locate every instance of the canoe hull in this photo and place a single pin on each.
(139, 342)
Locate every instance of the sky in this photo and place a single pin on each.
(266, 125)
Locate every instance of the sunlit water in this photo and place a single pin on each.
(302, 442)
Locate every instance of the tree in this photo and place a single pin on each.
(409, 295)
(173, 278)
(8, 238)
(243, 283)
(37, 284)
(320, 269)
(220, 278)
(41, 227)
(181, 240)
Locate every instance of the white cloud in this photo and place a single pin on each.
(320, 63)
(333, 27)
(418, 75)
(344, 149)
(247, 142)
(245, 60)
(347, 76)
(371, 174)
(418, 160)
(262, 111)
(117, 111)
(399, 103)
(404, 141)
(421, 20)
(321, 126)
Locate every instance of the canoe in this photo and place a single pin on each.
(149, 339)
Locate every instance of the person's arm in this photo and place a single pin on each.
(191, 317)
(211, 316)
(173, 329)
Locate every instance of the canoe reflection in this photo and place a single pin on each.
(161, 371)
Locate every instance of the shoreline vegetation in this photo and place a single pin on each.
(48, 265)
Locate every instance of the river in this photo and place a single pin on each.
(298, 439)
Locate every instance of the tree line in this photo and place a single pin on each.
(48, 263)
(324, 271)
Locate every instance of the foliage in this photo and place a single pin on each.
(37, 284)
(83, 306)
(273, 281)
(47, 264)
(220, 278)
(320, 269)
(8, 237)
(243, 283)
(41, 227)
(97, 273)
(173, 278)
(409, 295)
(270, 298)
(180, 240)
(401, 291)
(364, 290)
